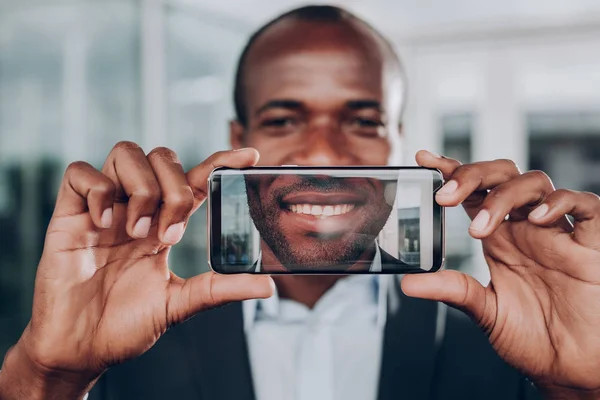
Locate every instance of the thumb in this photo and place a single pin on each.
(456, 289)
(211, 290)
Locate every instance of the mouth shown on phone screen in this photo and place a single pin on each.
(321, 213)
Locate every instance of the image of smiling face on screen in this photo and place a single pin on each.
(318, 222)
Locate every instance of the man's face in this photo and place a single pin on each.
(314, 95)
(319, 222)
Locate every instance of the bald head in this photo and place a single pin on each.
(326, 29)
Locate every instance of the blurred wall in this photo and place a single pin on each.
(78, 76)
(526, 92)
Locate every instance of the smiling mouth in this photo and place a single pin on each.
(325, 215)
(321, 211)
(322, 205)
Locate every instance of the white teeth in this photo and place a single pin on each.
(321, 211)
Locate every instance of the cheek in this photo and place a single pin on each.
(371, 151)
(273, 151)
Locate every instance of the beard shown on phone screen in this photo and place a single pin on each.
(318, 222)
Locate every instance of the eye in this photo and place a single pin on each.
(366, 127)
(282, 122)
(367, 122)
(279, 126)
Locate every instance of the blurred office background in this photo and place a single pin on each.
(516, 79)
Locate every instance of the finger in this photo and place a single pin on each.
(456, 289)
(198, 177)
(210, 290)
(583, 206)
(515, 197)
(177, 196)
(446, 165)
(136, 184)
(84, 188)
(469, 183)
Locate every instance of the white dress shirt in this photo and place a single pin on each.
(330, 352)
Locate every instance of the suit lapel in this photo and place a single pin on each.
(409, 347)
(220, 354)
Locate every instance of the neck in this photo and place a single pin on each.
(305, 289)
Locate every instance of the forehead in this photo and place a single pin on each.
(314, 62)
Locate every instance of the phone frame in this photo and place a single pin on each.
(441, 217)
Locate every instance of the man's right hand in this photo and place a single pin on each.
(104, 292)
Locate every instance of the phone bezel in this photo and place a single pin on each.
(214, 224)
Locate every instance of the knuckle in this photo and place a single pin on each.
(508, 165)
(561, 194)
(590, 197)
(539, 176)
(468, 291)
(148, 193)
(208, 293)
(45, 353)
(183, 198)
(451, 161)
(465, 170)
(163, 153)
(126, 145)
(104, 186)
(77, 166)
(497, 192)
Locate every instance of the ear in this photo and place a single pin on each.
(236, 134)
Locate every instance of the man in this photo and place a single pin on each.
(312, 92)
(321, 223)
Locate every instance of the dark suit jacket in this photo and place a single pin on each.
(206, 358)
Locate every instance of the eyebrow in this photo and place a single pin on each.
(360, 104)
(296, 105)
(284, 103)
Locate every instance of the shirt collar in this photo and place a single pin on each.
(378, 284)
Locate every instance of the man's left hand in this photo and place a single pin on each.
(541, 309)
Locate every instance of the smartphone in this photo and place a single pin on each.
(325, 220)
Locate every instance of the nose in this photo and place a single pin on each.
(324, 147)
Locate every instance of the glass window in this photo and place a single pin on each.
(69, 79)
(566, 146)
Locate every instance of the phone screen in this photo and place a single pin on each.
(325, 220)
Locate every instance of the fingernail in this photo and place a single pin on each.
(449, 188)
(142, 228)
(243, 149)
(174, 233)
(481, 221)
(540, 211)
(434, 155)
(106, 219)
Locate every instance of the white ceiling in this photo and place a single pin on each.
(417, 17)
